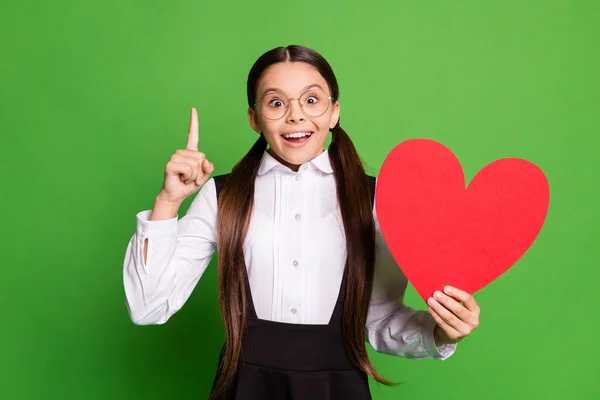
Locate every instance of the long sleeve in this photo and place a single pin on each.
(178, 253)
(392, 327)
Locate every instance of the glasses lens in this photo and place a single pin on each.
(314, 102)
(273, 105)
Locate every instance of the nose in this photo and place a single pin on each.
(295, 113)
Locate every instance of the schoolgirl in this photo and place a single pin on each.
(305, 276)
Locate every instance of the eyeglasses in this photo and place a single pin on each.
(274, 105)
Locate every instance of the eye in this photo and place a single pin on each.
(276, 103)
(312, 100)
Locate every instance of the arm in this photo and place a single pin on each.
(392, 327)
(158, 283)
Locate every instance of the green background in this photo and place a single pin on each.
(96, 97)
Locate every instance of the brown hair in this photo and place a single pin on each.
(235, 209)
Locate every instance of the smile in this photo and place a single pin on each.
(297, 139)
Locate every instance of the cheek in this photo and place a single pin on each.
(271, 130)
(267, 126)
(323, 123)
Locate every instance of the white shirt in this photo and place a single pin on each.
(295, 252)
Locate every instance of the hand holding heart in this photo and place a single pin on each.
(455, 321)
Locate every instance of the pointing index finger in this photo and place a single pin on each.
(192, 142)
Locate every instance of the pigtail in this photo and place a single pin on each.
(233, 219)
(354, 197)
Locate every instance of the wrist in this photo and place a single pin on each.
(164, 209)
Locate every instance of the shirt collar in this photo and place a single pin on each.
(268, 162)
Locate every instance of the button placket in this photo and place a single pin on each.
(295, 285)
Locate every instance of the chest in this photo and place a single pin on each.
(296, 215)
(295, 248)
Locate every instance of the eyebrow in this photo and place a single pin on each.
(304, 89)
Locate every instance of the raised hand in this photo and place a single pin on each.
(187, 170)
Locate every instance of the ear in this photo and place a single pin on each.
(335, 115)
(253, 120)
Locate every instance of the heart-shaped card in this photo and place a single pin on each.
(441, 233)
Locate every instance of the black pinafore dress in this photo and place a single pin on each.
(284, 361)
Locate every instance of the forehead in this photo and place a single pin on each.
(290, 77)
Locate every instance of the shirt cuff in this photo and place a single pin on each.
(155, 229)
(439, 352)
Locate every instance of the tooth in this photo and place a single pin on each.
(296, 135)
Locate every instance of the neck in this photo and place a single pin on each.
(293, 167)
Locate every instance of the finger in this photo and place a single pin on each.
(453, 305)
(184, 170)
(194, 160)
(192, 143)
(466, 298)
(207, 168)
(190, 153)
(449, 317)
(450, 331)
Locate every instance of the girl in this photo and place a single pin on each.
(305, 277)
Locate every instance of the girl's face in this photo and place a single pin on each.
(281, 82)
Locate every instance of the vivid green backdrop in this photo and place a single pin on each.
(96, 97)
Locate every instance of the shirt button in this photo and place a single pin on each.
(295, 263)
(297, 216)
(298, 177)
(305, 166)
(293, 310)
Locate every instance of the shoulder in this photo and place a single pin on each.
(204, 203)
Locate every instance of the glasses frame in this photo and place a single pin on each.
(287, 106)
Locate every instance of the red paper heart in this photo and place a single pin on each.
(440, 233)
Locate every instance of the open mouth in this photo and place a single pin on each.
(298, 138)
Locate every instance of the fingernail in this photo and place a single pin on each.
(448, 289)
(430, 301)
(437, 295)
